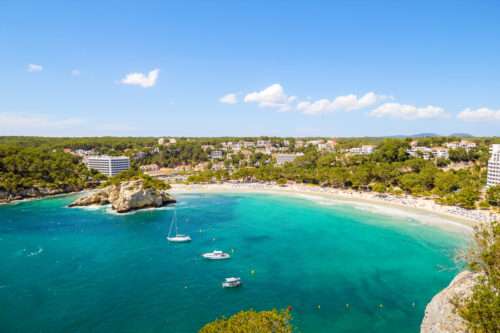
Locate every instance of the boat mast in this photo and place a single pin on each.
(175, 225)
(173, 218)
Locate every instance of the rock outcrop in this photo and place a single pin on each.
(126, 196)
(440, 314)
(35, 192)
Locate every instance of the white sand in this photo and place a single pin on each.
(462, 218)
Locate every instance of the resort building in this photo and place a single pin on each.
(162, 172)
(150, 167)
(262, 143)
(216, 154)
(219, 166)
(201, 166)
(205, 147)
(356, 151)
(494, 166)
(283, 158)
(109, 165)
(462, 144)
(161, 141)
(367, 149)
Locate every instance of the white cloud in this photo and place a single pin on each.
(482, 114)
(229, 98)
(75, 72)
(25, 123)
(34, 68)
(141, 79)
(345, 103)
(272, 96)
(408, 112)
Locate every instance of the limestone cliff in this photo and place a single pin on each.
(440, 313)
(36, 192)
(126, 196)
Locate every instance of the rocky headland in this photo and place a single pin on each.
(126, 196)
(36, 192)
(440, 314)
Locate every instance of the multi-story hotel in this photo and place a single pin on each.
(109, 165)
(494, 166)
(283, 158)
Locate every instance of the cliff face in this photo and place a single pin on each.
(35, 192)
(440, 314)
(125, 196)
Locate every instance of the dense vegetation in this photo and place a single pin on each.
(147, 181)
(253, 322)
(482, 310)
(181, 153)
(388, 169)
(87, 143)
(22, 168)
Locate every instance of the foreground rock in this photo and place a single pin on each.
(126, 196)
(440, 313)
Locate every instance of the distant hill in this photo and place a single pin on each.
(463, 135)
(423, 135)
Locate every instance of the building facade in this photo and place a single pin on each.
(109, 165)
(283, 158)
(494, 166)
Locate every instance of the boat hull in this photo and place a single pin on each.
(215, 257)
(179, 239)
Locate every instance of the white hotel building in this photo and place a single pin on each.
(284, 158)
(109, 165)
(494, 166)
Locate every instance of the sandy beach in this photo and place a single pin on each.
(465, 217)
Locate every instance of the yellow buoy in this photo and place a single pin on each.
(213, 239)
(200, 230)
(252, 272)
(232, 251)
(186, 220)
(347, 305)
(319, 306)
(380, 305)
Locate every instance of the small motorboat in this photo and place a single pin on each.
(216, 255)
(231, 282)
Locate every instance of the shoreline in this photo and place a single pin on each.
(467, 219)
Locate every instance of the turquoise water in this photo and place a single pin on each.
(90, 270)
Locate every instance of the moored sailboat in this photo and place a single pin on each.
(177, 238)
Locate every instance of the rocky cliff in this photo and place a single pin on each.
(35, 192)
(126, 196)
(440, 313)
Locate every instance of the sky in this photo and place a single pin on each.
(249, 68)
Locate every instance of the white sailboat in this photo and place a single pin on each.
(178, 238)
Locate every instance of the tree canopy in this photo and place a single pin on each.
(253, 322)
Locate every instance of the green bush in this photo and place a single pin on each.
(254, 322)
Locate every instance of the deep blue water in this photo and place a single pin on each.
(84, 270)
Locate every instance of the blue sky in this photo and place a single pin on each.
(309, 68)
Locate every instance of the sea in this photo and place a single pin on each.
(341, 266)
